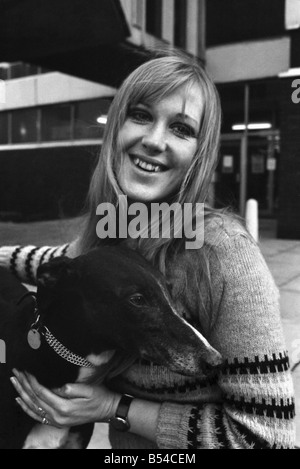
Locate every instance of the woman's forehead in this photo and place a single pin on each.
(186, 99)
(153, 92)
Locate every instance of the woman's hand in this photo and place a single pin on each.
(74, 404)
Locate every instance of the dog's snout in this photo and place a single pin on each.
(213, 358)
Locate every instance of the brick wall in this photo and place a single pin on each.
(289, 171)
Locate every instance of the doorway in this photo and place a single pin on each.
(261, 182)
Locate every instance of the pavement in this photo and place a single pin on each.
(282, 257)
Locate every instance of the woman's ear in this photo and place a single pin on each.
(58, 271)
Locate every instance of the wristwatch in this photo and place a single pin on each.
(120, 420)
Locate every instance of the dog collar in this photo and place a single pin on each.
(38, 329)
(63, 352)
(34, 339)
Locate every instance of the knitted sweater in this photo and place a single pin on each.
(250, 403)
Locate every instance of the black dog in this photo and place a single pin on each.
(103, 309)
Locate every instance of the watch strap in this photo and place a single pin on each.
(120, 420)
(123, 407)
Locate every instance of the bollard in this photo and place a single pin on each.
(2, 352)
(2, 92)
(252, 218)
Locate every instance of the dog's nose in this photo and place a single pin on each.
(213, 358)
(209, 369)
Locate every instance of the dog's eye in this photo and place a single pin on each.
(137, 299)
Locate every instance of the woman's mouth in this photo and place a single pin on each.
(148, 167)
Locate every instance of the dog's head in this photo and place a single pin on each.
(112, 298)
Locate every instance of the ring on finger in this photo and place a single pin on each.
(42, 412)
(45, 421)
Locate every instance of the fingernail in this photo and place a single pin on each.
(18, 400)
(14, 381)
(16, 373)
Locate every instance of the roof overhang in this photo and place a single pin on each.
(82, 38)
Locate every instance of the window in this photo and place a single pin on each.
(3, 128)
(9, 71)
(154, 17)
(87, 114)
(4, 71)
(180, 24)
(24, 126)
(20, 69)
(56, 123)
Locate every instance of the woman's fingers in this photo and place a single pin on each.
(43, 418)
(39, 393)
(26, 398)
(71, 405)
(37, 401)
(22, 385)
(28, 410)
(69, 391)
(76, 391)
(42, 393)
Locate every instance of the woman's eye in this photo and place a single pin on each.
(138, 115)
(184, 131)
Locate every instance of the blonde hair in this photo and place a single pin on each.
(149, 83)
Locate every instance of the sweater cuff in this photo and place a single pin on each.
(23, 261)
(173, 426)
(6, 253)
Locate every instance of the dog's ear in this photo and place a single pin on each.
(56, 272)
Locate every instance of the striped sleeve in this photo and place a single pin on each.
(257, 407)
(23, 261)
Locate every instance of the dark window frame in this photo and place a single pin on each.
(154, 12)
(180, 23)
(20, 117)
(4, 128)
(47, 126)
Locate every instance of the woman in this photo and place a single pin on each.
(161, 144)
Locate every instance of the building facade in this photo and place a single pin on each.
(253, 54)
(49, 139)
(49, 122)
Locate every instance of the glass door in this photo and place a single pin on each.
(263, 158)
(262, 174)
(227, 177)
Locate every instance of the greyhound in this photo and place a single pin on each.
(93, 316)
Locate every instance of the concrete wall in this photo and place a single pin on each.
(248, 60)
(50, 88)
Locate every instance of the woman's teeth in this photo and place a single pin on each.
(151, 168)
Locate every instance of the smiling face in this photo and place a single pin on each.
(158, 141)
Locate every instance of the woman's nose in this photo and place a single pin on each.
(154, 140)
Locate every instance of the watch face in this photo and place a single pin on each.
(120, 424)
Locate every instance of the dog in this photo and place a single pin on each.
(92, 317)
